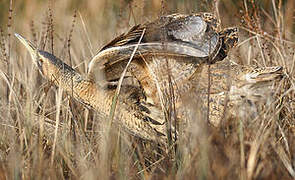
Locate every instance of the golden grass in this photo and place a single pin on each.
(47, 135)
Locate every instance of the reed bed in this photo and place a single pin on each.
(45, 134)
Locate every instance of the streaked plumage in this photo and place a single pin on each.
(129, 115)
(233, 88)
(173, 45)
(184, 41)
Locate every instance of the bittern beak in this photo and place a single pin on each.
(32, 49)
(265, 74)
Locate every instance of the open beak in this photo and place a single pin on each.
(268, 74)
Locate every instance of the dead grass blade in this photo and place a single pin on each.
(87, 34)
(58, 104)
(114, 102)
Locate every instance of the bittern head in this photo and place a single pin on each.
(256, 84)
(31, 48)
(261, 75)
(47, 63)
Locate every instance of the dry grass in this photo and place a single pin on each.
(47, 135)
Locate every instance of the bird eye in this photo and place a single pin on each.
(207, 29)
(40, 62)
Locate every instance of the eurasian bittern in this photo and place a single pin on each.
(185, 41)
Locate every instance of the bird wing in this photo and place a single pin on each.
(173, 35)
(132, 36)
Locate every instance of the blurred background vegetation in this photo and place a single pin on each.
(267, 31)
(105, 19)
(111, 12)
